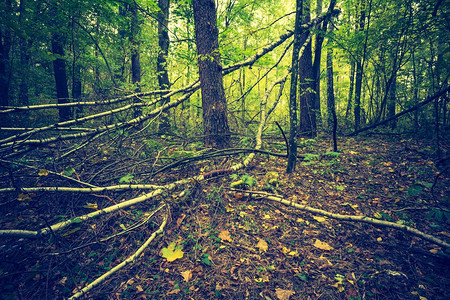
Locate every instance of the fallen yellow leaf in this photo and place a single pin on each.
(322, 245)
(187, 275)
(23, 197)
(172, 252)
(93, 206)
(43, 172)
(224, 235)
(284, 294)
(262, 245)
(319, 219)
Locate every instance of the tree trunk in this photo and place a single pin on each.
(322, 29)
(5, 46)
(135, 54)
(331, 105)
(350, 90)
(215, 120)
(359, 69)
(161, 63)
(292, 151)
(135, 45)
(59, 70)
(392, 101)
(307, 104)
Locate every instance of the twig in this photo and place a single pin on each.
(129, 260)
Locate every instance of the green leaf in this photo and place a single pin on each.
(248, 180)
(206, 260)
(127, 178)
(310, 156)
(68, 172)
(332, 154)
(340, 188)
(426, 184)
(414, 190)
(302, 277)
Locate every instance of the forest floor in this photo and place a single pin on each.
(220, 244)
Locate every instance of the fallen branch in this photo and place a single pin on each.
(417, 106)
(129, 260)
(351, 218)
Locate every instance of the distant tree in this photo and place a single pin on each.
(214, 105)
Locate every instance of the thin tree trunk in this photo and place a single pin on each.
(331, 105)
(359, 69)
(135, 54)
(59, 70)
(161, 63)
(292, 151)
(215, 119)
(392, 101)
(318, 57)
(5, 47)
(350, 90)
(308, 127)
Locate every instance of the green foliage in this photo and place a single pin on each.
(127, 178)
(245, 180)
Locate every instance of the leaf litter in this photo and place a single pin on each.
(224, 245)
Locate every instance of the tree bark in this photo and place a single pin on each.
(392, 101)
(331, 105)
(350, 90)
(359, 68)
(161, 63)
(292, 151)
(5, 46)
(59, 70)
(307, 103)
(322, 29)
(215, 120)
(135, 45)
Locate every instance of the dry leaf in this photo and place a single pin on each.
(23, 197)
(319, 219)
(174, 291)
(322, 245)
(180, 219)
(262, 245)
(43, 172)
(93, 206)
(284, 294)
(187, 275)
(224, 235)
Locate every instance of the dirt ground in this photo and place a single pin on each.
(219, 243)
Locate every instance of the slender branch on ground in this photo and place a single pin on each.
(418, 105)
(112, 236)
(129, 260)
(351, 218)
(50, 172)
(115, 188)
